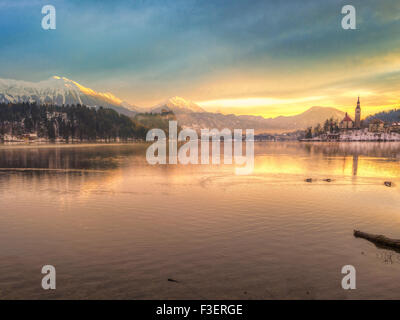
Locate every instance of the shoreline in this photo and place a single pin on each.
(67, 145)
(321, 140)
(138, 142)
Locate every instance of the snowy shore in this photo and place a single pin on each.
(357, 135)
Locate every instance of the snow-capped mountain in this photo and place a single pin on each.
(177, 105)
(311, 117)
(60, 91)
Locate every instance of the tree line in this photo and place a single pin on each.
(386, 116)
(330, 125)
(68, 122)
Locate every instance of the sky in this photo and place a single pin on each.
(255, 57)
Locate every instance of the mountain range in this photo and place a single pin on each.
(62, 91)
(309, 118)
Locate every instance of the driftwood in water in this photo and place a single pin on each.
(378, 239)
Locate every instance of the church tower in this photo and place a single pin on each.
(357, 123)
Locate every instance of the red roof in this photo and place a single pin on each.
(347, 118)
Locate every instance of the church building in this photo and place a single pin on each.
(348, 123)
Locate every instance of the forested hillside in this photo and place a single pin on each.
(387, 116)
(67, 122)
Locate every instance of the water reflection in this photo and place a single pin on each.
(103, 166)
(355, 164)
(118, 227)
(80, 157)
(329, 160)
(366, 149)
(367, 158)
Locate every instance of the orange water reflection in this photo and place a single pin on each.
(117, 227)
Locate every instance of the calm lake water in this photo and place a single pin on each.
(117, 228)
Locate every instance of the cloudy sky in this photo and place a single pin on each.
(236, 56)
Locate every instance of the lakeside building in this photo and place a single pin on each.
(377, 125)
(347, 123)
(30, 137)
(395, 127)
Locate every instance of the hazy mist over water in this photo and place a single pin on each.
(116, 227)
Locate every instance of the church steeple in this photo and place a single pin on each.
(358, 115)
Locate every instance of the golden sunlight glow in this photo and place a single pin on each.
(371, 103)
(108, 96)
(253, 102)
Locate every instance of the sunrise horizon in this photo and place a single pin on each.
(235, 59)
(266, 107)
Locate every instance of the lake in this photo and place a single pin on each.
(116, 227)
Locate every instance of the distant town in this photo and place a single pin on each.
(347, 129)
